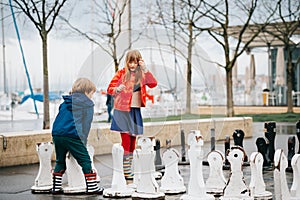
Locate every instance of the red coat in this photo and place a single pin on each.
(122, 100)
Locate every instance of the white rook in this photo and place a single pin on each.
(257, 185)
(119, 187)
(196, 187)
(144, 168)
(75, 176)
(43, 181)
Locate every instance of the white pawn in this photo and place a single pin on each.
(295, 188)
(257, 185)
(216, 181)
(118, 186)
(280, 183)
(236, 188)
(75, 176)
(196, 187)
(171, 182)
(43, 181)
(144, 168)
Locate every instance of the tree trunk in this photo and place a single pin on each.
(189, 70)
(46, 122)
(230, 111)
(289, 80)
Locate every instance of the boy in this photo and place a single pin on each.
(70, 132)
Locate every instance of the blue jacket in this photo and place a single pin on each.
(74, 117)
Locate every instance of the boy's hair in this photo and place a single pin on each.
(83, 85)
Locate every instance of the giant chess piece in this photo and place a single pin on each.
(75, 176)
(183, 150)
(216, 181)
(158, 161)
(280, 184)
(43, 181)
(144, 169)
(270, 134)
(238, 138)
(257, 185)
(295, 188)
(171, 182)
(262, 147)
(298, 134)
(118, 188)
(291, 152)
(196, 187)
(227, 149)
(236, 188)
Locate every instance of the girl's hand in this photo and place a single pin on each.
(142, 65)
(120, 88)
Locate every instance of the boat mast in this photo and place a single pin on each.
(3, 50)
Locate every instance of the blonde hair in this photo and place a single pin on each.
(133, 56)
(83, 85)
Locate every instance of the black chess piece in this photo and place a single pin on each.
(270, 134)
(298, 134)
(262, 147)
(158, 161)
(291, 152)
(183, 150)
(238, 138)
(227, 149)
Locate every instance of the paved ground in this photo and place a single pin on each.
(15, 182)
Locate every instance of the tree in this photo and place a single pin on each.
(222, 15)
(286, 24)
(182, 26)
(112, 25)
(43, 15)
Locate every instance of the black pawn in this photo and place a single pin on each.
(291, 151)
(262, 147)
(270, 133)
(227, 149)
(157, 153)
(238, 138)
(298, 134)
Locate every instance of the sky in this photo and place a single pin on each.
(67, 58)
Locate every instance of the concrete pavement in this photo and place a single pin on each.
(15, 182)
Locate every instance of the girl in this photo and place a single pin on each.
(128, 87)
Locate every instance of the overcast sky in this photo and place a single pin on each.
(67, 56)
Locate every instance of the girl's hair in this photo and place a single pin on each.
(133, 56)
(83, 85)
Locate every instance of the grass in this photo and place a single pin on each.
(282, 117)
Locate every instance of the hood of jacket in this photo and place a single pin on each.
(77, 101)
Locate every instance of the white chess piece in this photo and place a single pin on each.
(43, 181)
(146, 185)
(257, 185)
(280, 183)
(118, 188)
(216, 181)
(75, 176)
(196, 187)
(295, 188)
(236, 188)
(171, 182)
